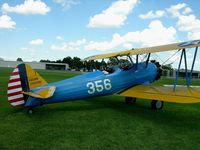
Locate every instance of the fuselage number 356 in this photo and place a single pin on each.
(98, 86)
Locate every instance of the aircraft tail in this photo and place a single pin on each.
(22, 79)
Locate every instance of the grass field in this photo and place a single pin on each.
(97, 123)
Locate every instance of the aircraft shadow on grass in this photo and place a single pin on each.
(166, 117)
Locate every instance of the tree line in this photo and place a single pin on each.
(76, 63)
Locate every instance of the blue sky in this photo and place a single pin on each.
(54, 29)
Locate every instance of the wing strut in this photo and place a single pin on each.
(117, 60)
(194, 58)
(186, 71)
(131, 60)
(147, 61)
(188, 78)
(136, 62)
(177, 74)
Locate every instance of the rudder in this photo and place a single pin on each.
(22, 79)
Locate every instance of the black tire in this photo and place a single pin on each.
(156, 104)
(130, 100)
(30, 111)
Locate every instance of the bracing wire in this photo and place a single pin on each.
(158, 57)
(164, 62)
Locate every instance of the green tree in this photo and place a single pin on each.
(68, 60)
(43, 60)
(19, 59)
(77, 63)
(59, 61)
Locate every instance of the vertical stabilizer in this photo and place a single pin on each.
(22, 79)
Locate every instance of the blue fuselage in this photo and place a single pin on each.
(97, 84)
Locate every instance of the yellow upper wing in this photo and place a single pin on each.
(162, 48)
(182, 94)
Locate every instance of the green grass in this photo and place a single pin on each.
(97, 123)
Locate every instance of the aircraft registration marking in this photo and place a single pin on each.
(99, 86)
(189, 43)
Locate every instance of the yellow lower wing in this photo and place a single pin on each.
(44, 93)
(182, 94)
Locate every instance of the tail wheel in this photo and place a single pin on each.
(156, 105)
(130, 100)
(30, 111)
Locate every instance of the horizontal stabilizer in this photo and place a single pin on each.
(182, 94)
(43, 93)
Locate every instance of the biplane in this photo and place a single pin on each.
(28, 89)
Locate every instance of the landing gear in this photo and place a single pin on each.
(130, 100)
(156, 105)
(29, 111)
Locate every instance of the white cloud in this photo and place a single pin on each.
(193, 35)
(59, 37)
(187, 10)
(66, 4)
(69, 46)
(151, 15)
(29, 50)
(6, 22)
(105, 45)
(36, 42)
(155, 34)
(186, 22)
(191, 25)
(27, 8)
(174, 9)
(30, 53)
(114, 16)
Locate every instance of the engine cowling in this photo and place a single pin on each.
(159, 69)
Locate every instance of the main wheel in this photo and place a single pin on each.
(29, 111)
(130, 100)
(155, 104)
